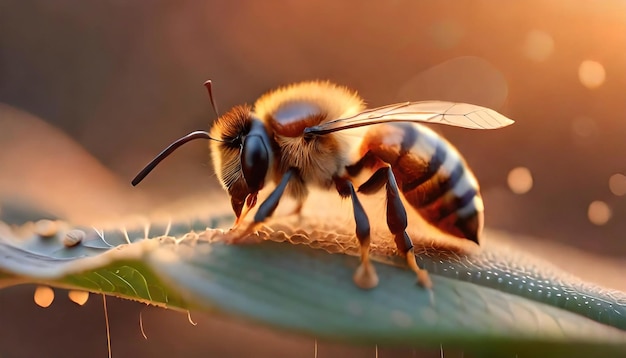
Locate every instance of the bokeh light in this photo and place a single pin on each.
(446, 34)
(591, 74)
(520, 180)
(599, 212)
(468, 79)
(44, 296)
(617, 184)
(538, 46)
(78, 297)
(584, 128)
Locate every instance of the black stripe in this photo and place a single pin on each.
(466, 198)
(459, 203)
(444, 186)
(436, 161)
(410, 136)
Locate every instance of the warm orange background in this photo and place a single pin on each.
(123, 79)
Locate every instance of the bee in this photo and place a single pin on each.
(319, 134)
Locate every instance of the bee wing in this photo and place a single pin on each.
(454, 114)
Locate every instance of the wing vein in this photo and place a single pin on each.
(448, 113)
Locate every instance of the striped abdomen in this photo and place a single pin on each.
(432, 175)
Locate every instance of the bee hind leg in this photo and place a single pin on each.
(365, 276)
(396, 219)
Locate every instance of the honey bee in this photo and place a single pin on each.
(319, 134)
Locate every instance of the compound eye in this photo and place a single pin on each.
(254, 162)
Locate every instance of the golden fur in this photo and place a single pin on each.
(336, 101)
(225, 155)
(318, 159)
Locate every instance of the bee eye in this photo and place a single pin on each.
(254, 162)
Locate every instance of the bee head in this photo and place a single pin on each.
(241, 157)
(241, 151)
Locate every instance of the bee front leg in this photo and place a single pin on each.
(396, 218)
(365, 276)
(268, 206)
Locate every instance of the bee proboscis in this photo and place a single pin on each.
(318, 134)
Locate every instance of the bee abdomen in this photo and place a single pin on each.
(433, 178)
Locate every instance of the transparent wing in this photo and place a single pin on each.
(438, 112)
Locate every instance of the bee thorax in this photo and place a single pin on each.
(318, 160)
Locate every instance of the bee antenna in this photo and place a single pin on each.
(209, 86)
(167, 151)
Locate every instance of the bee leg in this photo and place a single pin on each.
(267, 207)
(365, 276)
(396, 219)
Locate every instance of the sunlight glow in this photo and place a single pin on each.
(538, 46)
(591, 74)
(617, 184)
(520, 180)
(44, 296)
(599, 212)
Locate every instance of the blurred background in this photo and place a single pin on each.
(90, 91)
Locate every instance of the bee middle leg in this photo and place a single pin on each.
(365, 276)
(396, 218)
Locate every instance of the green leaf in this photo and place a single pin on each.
(496, 301)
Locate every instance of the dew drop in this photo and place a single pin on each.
(78, 297)
(44, 296)
(46, 228)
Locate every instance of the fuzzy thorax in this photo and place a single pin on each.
(333, 101)
(288, 110)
